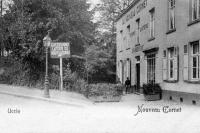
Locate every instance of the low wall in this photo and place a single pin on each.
(181, 97)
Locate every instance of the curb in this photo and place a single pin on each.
(41, 99)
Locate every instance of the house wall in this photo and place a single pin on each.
(183, 35)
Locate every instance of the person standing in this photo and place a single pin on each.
(127, 84)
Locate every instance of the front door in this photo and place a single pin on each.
(122, 74)
(137, 76)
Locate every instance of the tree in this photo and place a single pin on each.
(109, 11)
(106, 37)
(101, 56)
(98, 65)
(26, 22)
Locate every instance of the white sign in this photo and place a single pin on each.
(60, 49)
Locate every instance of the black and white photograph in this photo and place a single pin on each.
(99, 66)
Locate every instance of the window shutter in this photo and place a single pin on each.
(199, 55)
(125, 70)
(199, 8)
(164, 67)
(190, 10)
(120, 71)
(185, 64)
(145, 70)
(122, 74)
(176, 70)
(130, 68)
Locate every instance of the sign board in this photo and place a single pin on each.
(136, 10)
(137, 48)
(60, 49)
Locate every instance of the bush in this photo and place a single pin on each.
(71, 81)
(150, 89)
(14, 72)
(80, 86)
(54, 81)
(102, 89)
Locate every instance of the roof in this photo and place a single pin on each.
(127, 9)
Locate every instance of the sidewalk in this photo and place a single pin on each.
(56, 96)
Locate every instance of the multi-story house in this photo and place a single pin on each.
(159, 42)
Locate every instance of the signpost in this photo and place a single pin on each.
(61, 73)
(60, 50)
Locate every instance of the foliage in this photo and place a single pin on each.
(101, 56)
(99, 65)
(76, 65)
(27, 22)
(96, 57)
(54, 80)
(109, 11)
(101, 89)
(80, 86)
(150, 89)
(69, 78)
(17, 74)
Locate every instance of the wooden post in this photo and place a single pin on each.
(61, 74)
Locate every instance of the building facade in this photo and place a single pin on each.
(159, 42)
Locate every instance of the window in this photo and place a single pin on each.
(138, 59)
(138, 31)
(195, 65)
(192, 62)
(128, 37)
(171, 4)
(185, 49)
(151, 61)
(195, 9)
(171, 63)
(164, 54)
(128, 28)
(152, 23)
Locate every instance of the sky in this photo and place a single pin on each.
(94, 1)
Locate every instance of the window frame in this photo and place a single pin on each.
(128, 37)
(166, 67)
(171, 11)
(197, 10)
(152, 23)
(128, 28)
(169, 59)
(138, 31)
(151, 67)
(197, 56)
(122, 40)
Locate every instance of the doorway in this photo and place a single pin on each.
(137, 77)
(122, 74)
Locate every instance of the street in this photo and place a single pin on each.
(44, 117)
(139, 58)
